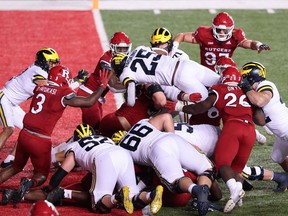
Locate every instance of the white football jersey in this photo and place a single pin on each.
(86, 149)
(276, 110)
(164, 151)
(20, 88)
(145, 66)
(204, 136)
(180, 54)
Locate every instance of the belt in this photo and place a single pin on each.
(37, 134)
(241, 120)
(174, 72)
(267, 119)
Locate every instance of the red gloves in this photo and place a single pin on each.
(193, 97)
(104, 76)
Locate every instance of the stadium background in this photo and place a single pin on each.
(75, 29)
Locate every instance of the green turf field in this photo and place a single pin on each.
(258, 25)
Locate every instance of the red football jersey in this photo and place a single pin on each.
(232, 103)
(211, 49)
(46, 109)
(92, 83)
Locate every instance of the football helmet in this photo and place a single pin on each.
(83, 130)
(120, 43)
(43, 207)
(223, 63)
(230, 76)
(253, 72)
(222, 26)
(117, 136)
(118, 62)
(59, 75)
(161, 36)
(46, 58)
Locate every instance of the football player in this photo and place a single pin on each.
(264, 94)
(20, 88)
(234, 146)
(168, 153)
(144, 65)
(48, 103)
(220, 39)
(119, 43)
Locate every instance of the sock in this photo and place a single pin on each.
(67, 194)
(9, 158)
(191, 187)
(113, 200)
(148, 195)
(231, 183)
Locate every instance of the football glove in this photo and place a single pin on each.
(104, 76)
(117, 136)
(193, 97)
(245, 85)
(82, 76)
(262, 46)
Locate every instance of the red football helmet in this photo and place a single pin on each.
(223, 63)
(59, 75)
(231, 76)
(43, 207)
(223, 26)
(120, 43)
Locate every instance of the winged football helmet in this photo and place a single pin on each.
(120, 43)
(46, 58)
(223, 25)
(43, 208)
(118, 62)
(83, 130)
(117, 136)
(59, 75)
(161, 36)
(223, 63)
(230, 76)
(253, 72)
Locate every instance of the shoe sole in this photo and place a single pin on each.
(230, 205)
(128, 205)
(156, 203)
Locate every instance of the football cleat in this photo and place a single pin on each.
(212, 207)
(56, 195)
(7, 196)
(247, 185)
(122, 197)
(156, 197)
(282, 180)
(201, 192)
(8, 164)
(25, 184)
(235, 198)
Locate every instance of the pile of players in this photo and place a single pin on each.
(159, 82)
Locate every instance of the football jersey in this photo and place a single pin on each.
(143, 135)
(92, 83)
(211, 49)
(46, 108)
(179, 54)
(275, 111)
(232, 103)
(20, 88)
(146, 66)
(87, 148)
